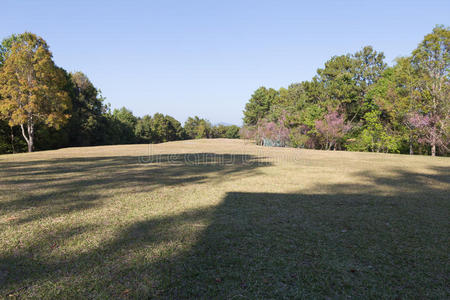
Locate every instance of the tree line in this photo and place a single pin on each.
(357, 102)
(42, 106)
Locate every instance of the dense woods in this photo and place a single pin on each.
(42, 107)
(357, 102)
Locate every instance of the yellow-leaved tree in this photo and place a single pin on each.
(32, 87)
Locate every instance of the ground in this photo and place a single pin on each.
(223, 219)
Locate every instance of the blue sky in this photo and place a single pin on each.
(205, 58)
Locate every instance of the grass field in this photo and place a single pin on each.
(223, 219)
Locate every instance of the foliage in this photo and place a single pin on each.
(123, 122)
(232, 132)
(431, 59)
(259, 105)
(197, 128)
(87, 122)
(431, 130)
(376, 136)
(272, 133)
(160, 128)
(143, 129)
(32, 88)
(166, 128)
(302, 137)
(224, 131)
(374, 100)
(5, 141)
(331, 129)
(354, 102)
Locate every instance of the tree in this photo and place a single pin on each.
(429, 131)
(259, 105)
(86, 125)
(143, 129)
(32, 87)
(124, 123)
(338, 80)
(369, 67)
(393, 98)
(177, 130)
(197, 128)
(232, 132)
(432, 61)
(204, 130)
(6, 45)
(273, 133)
(161, 128)
(346, 80)
(218, 131)
(332, 128)
(223, 131)
(190, 126)
(376, 135)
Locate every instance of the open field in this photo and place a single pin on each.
(224, 218)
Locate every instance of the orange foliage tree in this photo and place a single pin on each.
(32, 87)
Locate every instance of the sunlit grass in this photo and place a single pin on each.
(223, 218)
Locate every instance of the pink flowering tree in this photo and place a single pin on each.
(430, 131)
(274, 132)
(332, 128)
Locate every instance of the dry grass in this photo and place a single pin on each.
(225, 219)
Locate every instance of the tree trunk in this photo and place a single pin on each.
(30, 138)
(30, 146)
(433, 149)
(31, 135)
(433, 143)
(411, 149)
(12, 140)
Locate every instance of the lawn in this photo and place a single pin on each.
(223, 219)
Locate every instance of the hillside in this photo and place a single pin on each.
(199, 218)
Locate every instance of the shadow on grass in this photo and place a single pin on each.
(352, 240)
(61, 186)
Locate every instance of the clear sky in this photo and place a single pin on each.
(206, 58)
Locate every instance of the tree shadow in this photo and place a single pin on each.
(385, 238)
(351, 241)
(60, 186)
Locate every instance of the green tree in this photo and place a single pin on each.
(223, 131)
(219, 131)
(178, 130)
(124, 123)
(143, 129)
(394, 96)
(165, 128)
(369, 67)
(337, 79)
(197, 128)
(376, 136)
(232, 132)
(87, 124)
(259, 105)
(190, 126)
(346, 79)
